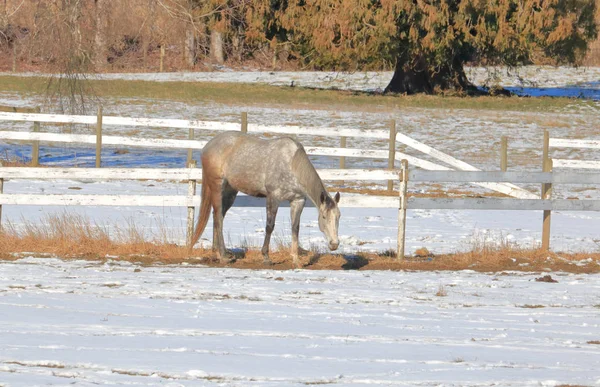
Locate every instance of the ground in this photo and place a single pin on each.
(116, 323)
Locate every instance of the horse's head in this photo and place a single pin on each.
(329, 218)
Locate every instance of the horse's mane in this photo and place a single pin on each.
(307, 175)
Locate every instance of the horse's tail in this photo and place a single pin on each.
(204, 213)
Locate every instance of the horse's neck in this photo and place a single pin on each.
(307, 177)
(314, 190)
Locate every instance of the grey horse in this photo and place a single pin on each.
(277, 169)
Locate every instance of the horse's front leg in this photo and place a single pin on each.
(296, 207)
(272, 207)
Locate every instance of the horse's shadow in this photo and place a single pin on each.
(353, 261)
(236, 254)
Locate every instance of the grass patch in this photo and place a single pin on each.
(258, 94)
(75, 237)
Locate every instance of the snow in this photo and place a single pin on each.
(536, 80)
(119, 323)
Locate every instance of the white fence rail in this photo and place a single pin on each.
(572, 143)
(403, 202)
(544, 203)
(191, 200)
(505, 188)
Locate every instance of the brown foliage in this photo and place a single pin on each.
(118, 35)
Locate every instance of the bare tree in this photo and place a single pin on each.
(216, 47)
(101, 8)
(69, 89)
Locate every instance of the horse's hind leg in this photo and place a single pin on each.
(296, 207)
(272, 207)
(217, 203)
(228, 197)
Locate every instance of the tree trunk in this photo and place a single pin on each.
(149, 33)
(3, 16)
(100, 49)
(190, 46)
(216, 47)
(413, 77)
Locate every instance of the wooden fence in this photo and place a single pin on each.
(549, 163)
(191, 175)
(544, 203)
(498, 181)
(392, 135)
(402, 201)
(571, 143)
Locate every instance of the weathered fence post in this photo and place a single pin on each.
(191, 209)
(14, 58)
(392, 152)
(162, 57)
(343, 158)
(99, 138)
(190, 153)
(504, 154)
(402, 208)
(35, 149)
(546, 192)
(244, 122)
(1, 192)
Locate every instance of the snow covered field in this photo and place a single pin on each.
(87, 323)
(117, 323)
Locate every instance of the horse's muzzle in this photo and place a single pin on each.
(333, 245)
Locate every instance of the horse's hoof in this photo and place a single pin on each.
(267, 261)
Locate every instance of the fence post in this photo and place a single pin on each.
(244, 122)
(35, 149)
(190, 150)
(191, 209)
(392, 153)
(14, 58)
(162, 57)
(99, 137)
(402, 209)
(546, 192)
(342, 158)
(504, 154)
(1, 192)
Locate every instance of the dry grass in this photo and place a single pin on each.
(75, 237)
(441, 291)
(7, 161)
(291, 97)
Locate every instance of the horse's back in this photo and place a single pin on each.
(249, 164)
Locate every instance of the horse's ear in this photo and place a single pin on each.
(323, 197)
(337, 198)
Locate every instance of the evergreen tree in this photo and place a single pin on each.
(429, 41)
